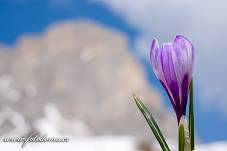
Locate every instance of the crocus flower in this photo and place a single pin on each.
(173, 65)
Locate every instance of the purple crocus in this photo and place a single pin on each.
(173, 65)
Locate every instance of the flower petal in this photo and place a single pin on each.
(173, 65)
(155, 57)
(169, 73)
(183, 57)
(183, 60)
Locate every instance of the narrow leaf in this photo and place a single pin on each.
(151, 122)
(191, 117)
(181, 137)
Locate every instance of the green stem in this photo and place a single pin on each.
(191, 117)
(181, 137)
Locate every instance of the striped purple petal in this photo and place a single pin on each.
(173, 65)
(183, 58)
(156, 61)
(169, 74)
(155, 57)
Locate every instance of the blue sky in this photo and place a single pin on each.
(22, 16)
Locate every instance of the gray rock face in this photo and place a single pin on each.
(86, 71)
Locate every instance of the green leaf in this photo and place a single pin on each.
(181, 137)
(151, 122)
(191, 117)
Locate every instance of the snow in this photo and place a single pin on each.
(54, 125)
(104, 143)
(98, 143)
(216, 146)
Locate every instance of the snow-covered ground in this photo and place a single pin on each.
(54, 125)
(217, 146)
(104, 143)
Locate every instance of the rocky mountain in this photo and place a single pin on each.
(79, 77)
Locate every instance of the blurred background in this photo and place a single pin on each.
(69, 68)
